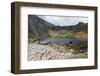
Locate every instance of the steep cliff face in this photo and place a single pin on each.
(38, 27)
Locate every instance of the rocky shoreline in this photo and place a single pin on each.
(38, 52)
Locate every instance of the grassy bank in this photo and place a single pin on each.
(66, 34)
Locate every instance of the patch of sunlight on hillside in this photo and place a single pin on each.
(67, 34)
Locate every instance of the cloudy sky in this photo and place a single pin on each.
(64, 20)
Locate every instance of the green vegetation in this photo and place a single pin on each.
(66, 34)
